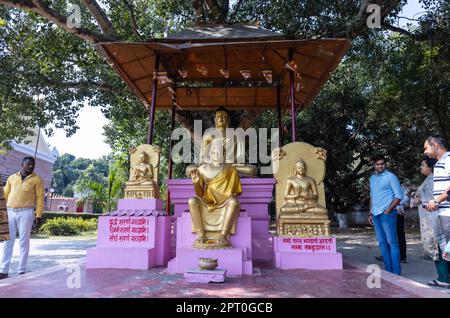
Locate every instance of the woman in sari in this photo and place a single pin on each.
(430, 226)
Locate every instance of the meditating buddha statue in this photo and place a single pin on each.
(142, 182)
(301, 196)
(143, 172)
(215, 208)
(234, 147)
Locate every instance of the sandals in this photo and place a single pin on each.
(436, 283)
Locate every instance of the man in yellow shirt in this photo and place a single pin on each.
(24, 195)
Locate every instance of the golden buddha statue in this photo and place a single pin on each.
(143, 172)
(143, 177)
(215, 208)
(234, 148)
(301, 195)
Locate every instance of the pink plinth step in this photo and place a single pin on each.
(121, 257)
(134, 242)
(205, 276)
(237, 260)
(231, 259)
(306, 253)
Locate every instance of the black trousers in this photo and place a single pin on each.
(401, 236)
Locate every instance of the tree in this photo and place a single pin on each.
(103, 195)
(374, 102)
(50, 68)
(68, 171)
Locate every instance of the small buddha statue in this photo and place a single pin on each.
(142, 172)
(301, 196)
(215, 208)
(234, 148)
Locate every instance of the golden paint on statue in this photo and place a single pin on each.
(300, 195)
(215, 208)
(234, 148)
(144, 172)
(4, 225)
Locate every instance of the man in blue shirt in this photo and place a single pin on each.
(385, 195)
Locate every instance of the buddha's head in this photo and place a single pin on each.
(222, 118)
(216, 152)
(143, 157)
(300, 167)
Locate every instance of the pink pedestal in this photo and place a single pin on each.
(132, 237)
(306, 253)
(255, 198)
(237, 260)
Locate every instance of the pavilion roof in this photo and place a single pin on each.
(204, 52)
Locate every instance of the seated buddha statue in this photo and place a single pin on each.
(301, 196)
(234, 149)
(215, 208)
(142, 172)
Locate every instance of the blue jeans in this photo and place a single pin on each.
(386, 232)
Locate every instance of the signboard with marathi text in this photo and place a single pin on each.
(307, 244)
(126, 231)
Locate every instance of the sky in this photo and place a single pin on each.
(88, 142)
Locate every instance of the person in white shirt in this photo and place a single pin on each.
(436, 147)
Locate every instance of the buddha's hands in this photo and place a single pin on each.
(195, 176)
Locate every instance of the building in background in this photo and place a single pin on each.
(45, 158)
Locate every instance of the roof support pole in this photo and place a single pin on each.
(292, 92)
(151, 115)
(280, 122)
(169, 168)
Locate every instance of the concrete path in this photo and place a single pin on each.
(360, 245)
(46, 253)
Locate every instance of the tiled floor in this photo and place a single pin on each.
(267, 282)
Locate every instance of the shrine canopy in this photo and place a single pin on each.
(238, 66)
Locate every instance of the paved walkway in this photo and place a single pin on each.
(46, 253)
(360, 245)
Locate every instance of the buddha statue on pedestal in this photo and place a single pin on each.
(143, 177)
(215, 208)
(299, 169)
(301, 195)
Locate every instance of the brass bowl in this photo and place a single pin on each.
(206, 263)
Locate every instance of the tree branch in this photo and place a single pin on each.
(41, 9)
(236, 9)
(81, 84)
(357, 25)
(134, 27)
(101, 18)
(88, 84)
(403, 31)
(197, 5)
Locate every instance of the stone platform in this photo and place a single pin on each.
(205, 276)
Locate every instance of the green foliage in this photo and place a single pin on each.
(68, 226)
(387, 95)
(103, 195)
(69, 171)
(52, 215)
